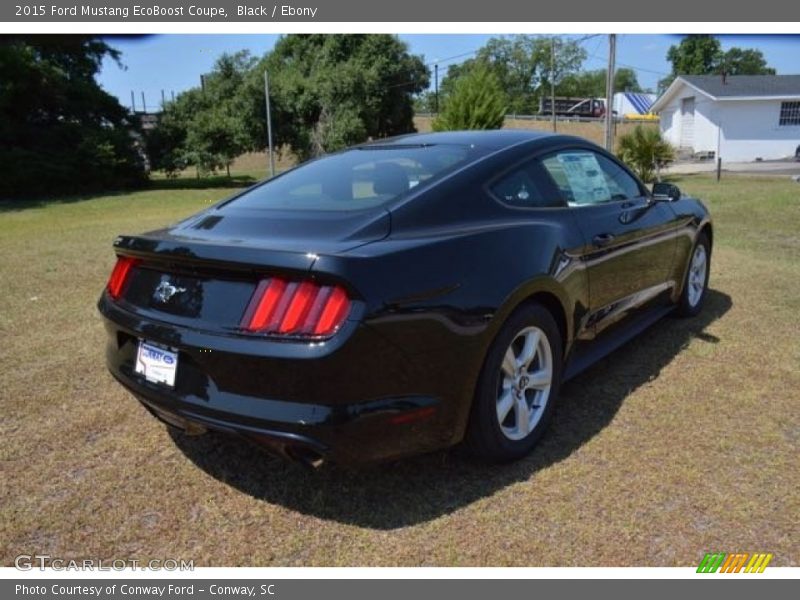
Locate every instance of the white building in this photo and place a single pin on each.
(738, 117)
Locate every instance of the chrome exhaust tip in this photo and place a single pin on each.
(305, 456)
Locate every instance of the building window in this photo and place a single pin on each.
(790, 113)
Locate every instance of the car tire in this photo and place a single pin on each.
(521, 376)
(695, 284)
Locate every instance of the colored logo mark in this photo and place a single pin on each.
(734, 563)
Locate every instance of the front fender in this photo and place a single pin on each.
(693, 217)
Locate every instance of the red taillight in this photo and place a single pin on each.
(333, 313)
(296, 308)
(119, 275)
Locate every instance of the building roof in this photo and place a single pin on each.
(746, 85)
(736, 87)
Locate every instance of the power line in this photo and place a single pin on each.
(642, 69)
(590, 55)
(579, 40)
(435, 63)
(597, 47)
(589, 37)
(629, 66)
(443, 60)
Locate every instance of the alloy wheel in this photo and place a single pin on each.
(697, 275)
(526, 377)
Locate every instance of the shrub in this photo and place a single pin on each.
(477, 102)
(645, 151)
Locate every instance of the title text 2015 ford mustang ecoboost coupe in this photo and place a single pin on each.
(402, 296)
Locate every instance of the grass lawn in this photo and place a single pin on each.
(683, 442)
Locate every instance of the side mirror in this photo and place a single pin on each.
(666, 192)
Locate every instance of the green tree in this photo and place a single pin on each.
(214, 138)
(207, 127)
(592, 84)
(329, 91)
(695, 55)
(522, 65)
(218, 133)
(515, 61)
(645, 151)
(738, 61)
(703, 55)
(569, 57)
(425, 102)
(453, 74)
(625, 80)
(60, 131)
(166, 144)
(477, 102)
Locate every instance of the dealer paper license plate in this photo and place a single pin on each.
(157, 364)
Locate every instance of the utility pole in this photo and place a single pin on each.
(612, 56)
(203, 83)
(553, 81)
(269, 126)
(133, 102)
(144, 104)
(163, 100)
(436, 88)
(719, 147)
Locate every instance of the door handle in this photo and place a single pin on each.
(603, 239)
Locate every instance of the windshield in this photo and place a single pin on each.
(355, 179)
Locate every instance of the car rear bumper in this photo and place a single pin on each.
(290, 446)
(354, 402)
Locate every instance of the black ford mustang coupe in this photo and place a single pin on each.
(401, 296)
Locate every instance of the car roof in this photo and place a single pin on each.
(490, 139)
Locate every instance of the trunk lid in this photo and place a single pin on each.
(202, 272)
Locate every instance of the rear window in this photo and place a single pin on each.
(356, 179)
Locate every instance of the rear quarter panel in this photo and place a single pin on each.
(440, 294)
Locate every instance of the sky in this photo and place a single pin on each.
(174, 63)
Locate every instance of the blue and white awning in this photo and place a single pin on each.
(641, 103)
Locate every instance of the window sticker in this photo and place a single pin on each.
(585, 177)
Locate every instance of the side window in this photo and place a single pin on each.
(621, 184)
(528, 187)
(586, 177)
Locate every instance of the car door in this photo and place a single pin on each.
(629, 240)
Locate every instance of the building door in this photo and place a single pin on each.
(687, 123)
